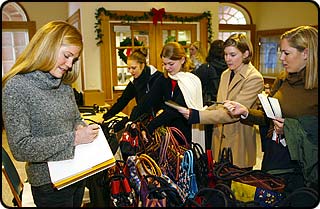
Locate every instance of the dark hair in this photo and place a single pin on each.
(241, 42)
(215, 51)
(139, 55)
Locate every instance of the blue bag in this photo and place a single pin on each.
(187, 178)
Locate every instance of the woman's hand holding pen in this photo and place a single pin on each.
(278, 125)
(86, 134)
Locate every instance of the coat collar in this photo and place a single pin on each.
(244, 72)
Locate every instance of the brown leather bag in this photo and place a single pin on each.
(225, 171)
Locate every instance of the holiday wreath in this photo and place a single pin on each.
(127, 42)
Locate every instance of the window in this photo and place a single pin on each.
(233, 18)
(16, 33)
(268, 48)
(232, 14)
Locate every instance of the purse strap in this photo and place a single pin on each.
(149, 165)
(188, 160)
(226, 155)
(163, 149)
(172, 130)
(210, 160)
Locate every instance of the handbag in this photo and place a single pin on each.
(121, 192)
(156, 191)
(153, 145)
(187, 178)
(171, 152)
(211, 180)
(131, 141)
(139, 166)
(201, 166)
(249, 185)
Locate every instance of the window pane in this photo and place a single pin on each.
(123, 76)
(121, 36)
(7, 54)
(230, 15)
(270, 64)
(7, 39)
(168, 36)
(20, 38)
(6, 66)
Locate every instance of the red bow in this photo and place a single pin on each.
(128, 52)
(157, 15)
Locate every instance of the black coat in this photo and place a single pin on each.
(170, 116)
(139, 89)
(209, 74)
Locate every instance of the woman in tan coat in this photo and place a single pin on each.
(243, 87)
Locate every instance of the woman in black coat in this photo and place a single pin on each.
(140, 85)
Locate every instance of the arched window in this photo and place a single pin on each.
(13, 12)
(232, 17)
(16, 33)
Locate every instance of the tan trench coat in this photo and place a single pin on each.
(244, 88)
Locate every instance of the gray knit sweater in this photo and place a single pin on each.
(40, 115)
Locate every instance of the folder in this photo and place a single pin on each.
(88, 159)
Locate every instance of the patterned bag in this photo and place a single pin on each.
(158, 192)
(187, 178)
(121, 192)
(130, 141)
(139, 166)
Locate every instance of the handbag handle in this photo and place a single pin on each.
(179, 132)
(163, 149)
(226, 155)
(148, 165)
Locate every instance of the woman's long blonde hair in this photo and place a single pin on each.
(42, 51)
(301, 38)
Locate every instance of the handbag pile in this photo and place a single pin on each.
(158, 171)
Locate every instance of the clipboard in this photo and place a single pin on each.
(88, 160)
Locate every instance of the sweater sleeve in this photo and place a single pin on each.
(26, 144)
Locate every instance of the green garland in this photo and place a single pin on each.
(127, 42)
(146, 16)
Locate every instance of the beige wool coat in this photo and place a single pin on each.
(228, 131)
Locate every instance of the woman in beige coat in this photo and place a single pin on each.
(244, 87)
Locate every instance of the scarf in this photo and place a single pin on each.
(190, 86)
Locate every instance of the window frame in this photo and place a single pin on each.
(14, 26)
